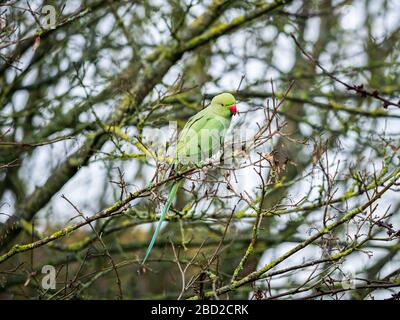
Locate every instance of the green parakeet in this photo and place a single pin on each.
(201, 137)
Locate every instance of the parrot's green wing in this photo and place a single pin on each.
(201, 137)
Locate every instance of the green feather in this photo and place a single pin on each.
(171, 196)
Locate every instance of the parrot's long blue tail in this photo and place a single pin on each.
(164, 211)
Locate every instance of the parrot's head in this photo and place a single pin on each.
(227, 101)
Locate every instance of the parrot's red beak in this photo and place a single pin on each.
(233, 109)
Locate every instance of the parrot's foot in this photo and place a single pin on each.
(200, 164)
